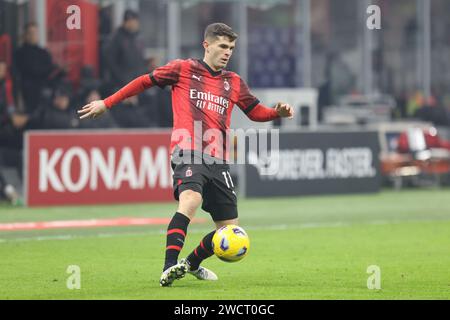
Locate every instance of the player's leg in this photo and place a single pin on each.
(188, 186)
(203, 251)
(189, 201)
(219, 199)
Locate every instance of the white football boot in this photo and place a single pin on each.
(173, 273)
(201, 273)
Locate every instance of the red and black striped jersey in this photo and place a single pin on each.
(202, 102)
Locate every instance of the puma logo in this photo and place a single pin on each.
(196, 77)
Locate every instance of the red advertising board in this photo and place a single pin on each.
(97, 167)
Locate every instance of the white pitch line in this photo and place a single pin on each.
(309, 225)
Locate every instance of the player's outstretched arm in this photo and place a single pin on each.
(262, 113)
(93, 109)
(97, 108)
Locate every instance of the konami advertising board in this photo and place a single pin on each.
(97, 167)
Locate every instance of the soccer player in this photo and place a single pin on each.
(202, 92)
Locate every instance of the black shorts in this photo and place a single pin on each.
(212, 181)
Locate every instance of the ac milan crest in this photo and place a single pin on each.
(188, 172)
(226, 85)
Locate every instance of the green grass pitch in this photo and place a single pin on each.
(301, 248)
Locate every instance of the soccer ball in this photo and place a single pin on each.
(231, 243)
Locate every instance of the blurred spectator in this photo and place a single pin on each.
(401, 104)
(324, 98)
(88, 95)
(11, 125)
(427, 110)
(124, 56)
(437, 115)
(88, 80)
(415, 101)
(7, 105)
(130, 114)
(35, 69)
(59, 114)
(91, 90)
(164, 113)
(156, 102)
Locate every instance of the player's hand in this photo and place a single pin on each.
(93, 109)
(284, 110)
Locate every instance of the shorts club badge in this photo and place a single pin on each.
(188, 172)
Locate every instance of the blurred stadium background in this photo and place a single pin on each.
(373, 118)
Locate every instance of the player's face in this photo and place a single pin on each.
(218, 52)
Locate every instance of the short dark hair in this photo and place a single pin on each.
(30, 25)
(130, 14)
(62, 90)
(218, 29)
